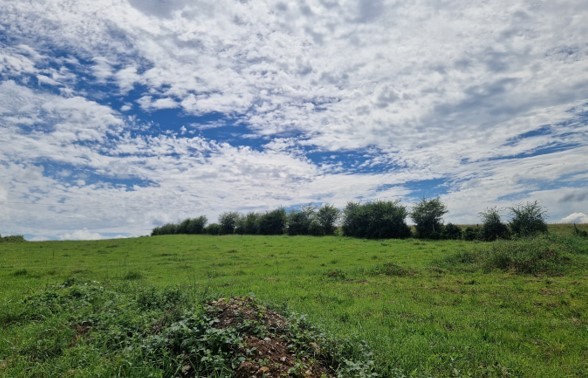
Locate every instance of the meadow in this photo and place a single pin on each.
(424, 308)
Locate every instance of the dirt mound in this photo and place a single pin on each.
(269, 346)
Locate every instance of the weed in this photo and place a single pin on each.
(391, 269)
(20, 272)
(131, 276)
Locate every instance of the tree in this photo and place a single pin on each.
(166, 229)
(492, 226)
(380, 219)
(299, 221)
(451, 232)
(273, 222)
(528, 219)
(213, 229)
(428, 215)
(251, 223)
(326, 218)
(228, 222)
(196, 225)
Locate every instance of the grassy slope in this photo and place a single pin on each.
(432, 321)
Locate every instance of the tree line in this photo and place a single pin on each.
(372, 220)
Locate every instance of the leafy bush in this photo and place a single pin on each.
(326, 218)
(12, 239)
(299, 221)
(472, 233)
(427, 215)
(451, 231)
(213, 229)
(273, 222)
(187, 226)
(492, 226)
(381, 219)
(528, 220)
(228, 222)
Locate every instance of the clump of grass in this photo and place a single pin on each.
(20, 272)
(132, 275)
(392, 269)
(337, 275)
(538, 255)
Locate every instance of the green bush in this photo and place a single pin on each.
(213, 229)
(12, 239)
(472, 233)
(273, 222)
(528, 220)
(451, 232)
(375, 220)
(492, 226)
(427, 216)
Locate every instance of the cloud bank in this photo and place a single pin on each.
(117, 116)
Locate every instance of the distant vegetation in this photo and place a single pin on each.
(12, 239)
(371, 220)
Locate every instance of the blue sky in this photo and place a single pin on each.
(118, 116)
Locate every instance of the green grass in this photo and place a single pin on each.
(421, 315)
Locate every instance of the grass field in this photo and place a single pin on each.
(422, 310)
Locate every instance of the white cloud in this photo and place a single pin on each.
(575, 218)
(81, 235)
(433, 91)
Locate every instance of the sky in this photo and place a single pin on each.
(117, 116)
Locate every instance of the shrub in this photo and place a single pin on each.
(213, 229)
(528, 220)
(299, 221)
(451, 231)
(12, 239)
(228, 222)
(472, 233)
(251, 223)
(326, 218)
(427, 215)
(381, 219)
(273, 222)
(492, 226)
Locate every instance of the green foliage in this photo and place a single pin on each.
(392, 269)
(228, 222)
(166, 229)
(250, 223)
(326, 219)
(492, 226)
(299, 221)
(536, 255)
(433, 323)
(12, 239)
(213, 229)
(578, 232)
(451, 232)
(155, 332)
(528, 219)
(376, 220)
(187, 226)
(273, 222)
(472, 233)
(427, 216)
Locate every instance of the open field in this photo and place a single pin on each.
(420, 315)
